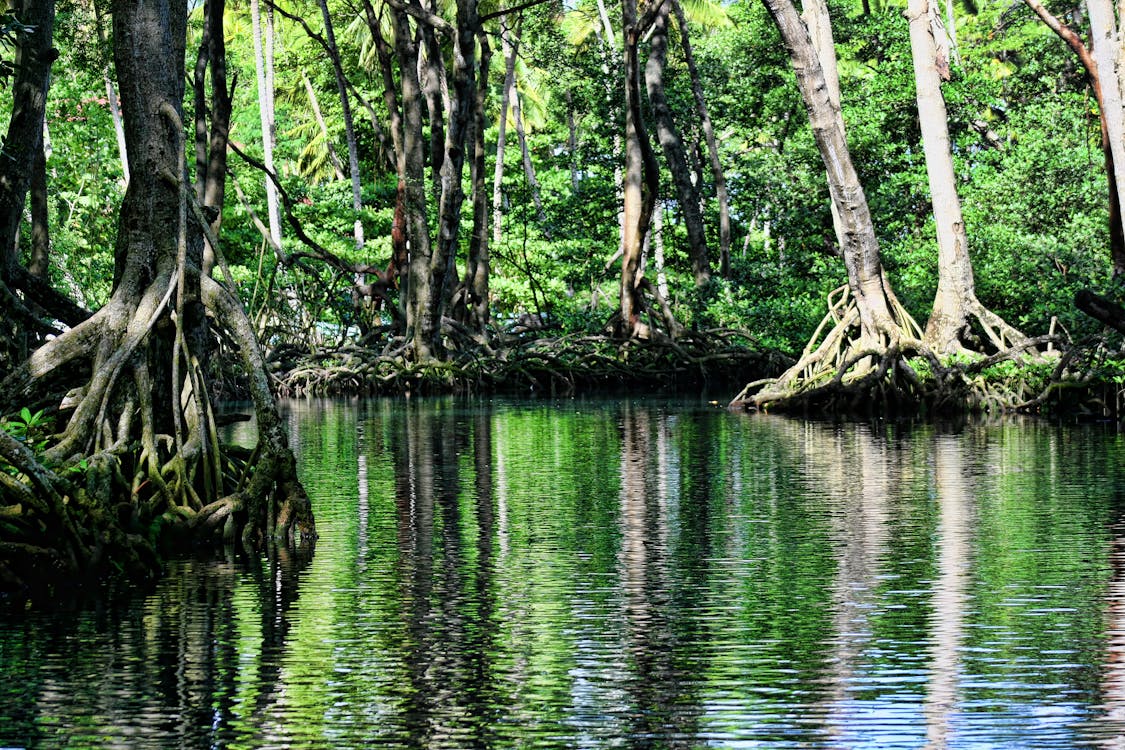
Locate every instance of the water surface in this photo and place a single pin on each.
(589, 574)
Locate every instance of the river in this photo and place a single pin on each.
(623, 574)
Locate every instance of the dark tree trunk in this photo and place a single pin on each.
(421, 326)
(673, 146)
(139, 368)
(461, 106)
(40, 228)
(349, 122)
(712, 145)
(24, 141)
(477, 267)
(641, 184)
(214, 176)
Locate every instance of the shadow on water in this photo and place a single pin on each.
(623, 574)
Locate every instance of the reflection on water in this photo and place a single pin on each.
(615, 574)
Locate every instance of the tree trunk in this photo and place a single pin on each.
(141, 436)
(712, 146)
(40, 228)
(215, 179)
(432, 63)
(509, 46)
(956, 297)
(111, 93)
(528, 167)
(318, 115)
(640, 188)
(263, 68)
(461, 105)
(477, 267)
(955, 272)
(419, 319)
(673, 147)
(1106, 40)
(349, 123)
(1116, 226)
(24, 141)
(860, 247)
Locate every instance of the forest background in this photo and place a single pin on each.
(1023, 123)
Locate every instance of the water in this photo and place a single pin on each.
(637, 575)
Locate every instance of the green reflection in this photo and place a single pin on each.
(608, 574)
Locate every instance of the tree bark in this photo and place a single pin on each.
(24, 141)
(673, 147)
(40, 228)
(509, 46)
(1106, 40)
(956, 301)
(215, 178)
(860, 247)
(477, 267)
(263, 68)
(712, 145)
(461, 104)
(641, 184)
(1116, 225)
(349, 123)
(419, 319)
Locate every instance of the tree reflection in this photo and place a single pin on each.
(450, 596)
(954, 494)
(665, 700)
(165, 669)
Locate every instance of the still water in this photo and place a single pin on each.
(589, 574)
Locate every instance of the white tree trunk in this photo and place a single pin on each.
(1107, 43)
(263, 65)
(955, 272)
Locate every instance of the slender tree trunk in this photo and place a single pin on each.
(318, 115)
(215, 181)
(461, 105)
(433, 75)
(111, 93)
(955, 272)
(24, 141)
(40, 231)
(400, 258)
(349, 122)
(477, 268)
(1116, 226)
(956, 303)
(528, 167)
(509, 46)
(860, 247)
(419, 320)
(263, 67)
(673, 147)
(641, 184)
(1106, 41)
(712, 145)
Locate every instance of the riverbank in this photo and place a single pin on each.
(1083, 380)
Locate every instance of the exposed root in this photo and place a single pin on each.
(842, 369)
(842, 358)
(535, 361)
